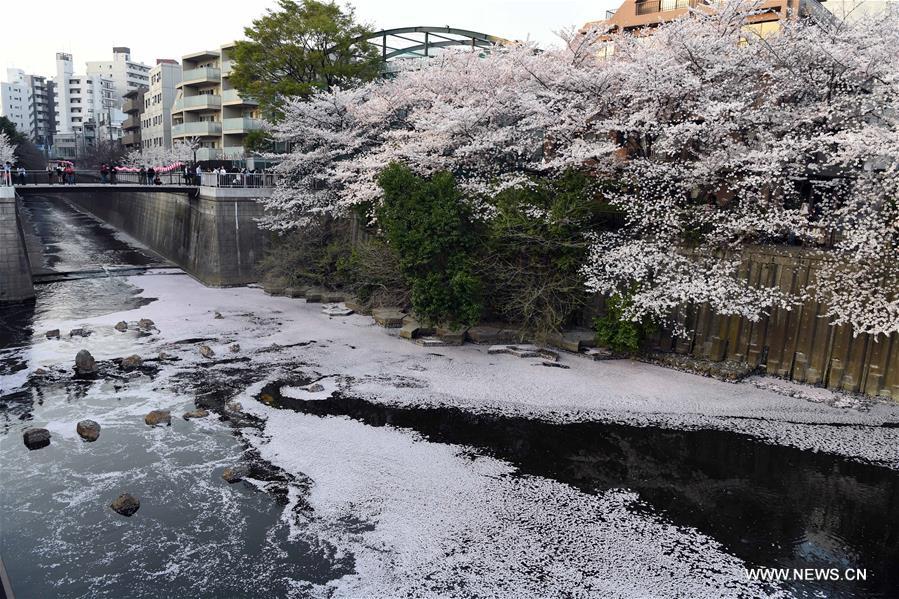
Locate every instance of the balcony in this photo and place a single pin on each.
(199, 129)
(132, 122)
(234, 153)
(230, 97)
(648, 7)
(200, 102)
(132, 105)
(201, 75)
(241, 125)
(208, 154)
(227, 65)
(131, 139)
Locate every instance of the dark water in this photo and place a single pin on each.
(72, 240)
(772, 506)
(194, 535)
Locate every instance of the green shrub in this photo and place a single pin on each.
(428, 224)
(535, 251)
(615, 331)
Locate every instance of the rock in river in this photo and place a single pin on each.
(157, 417)
(85, 363)
(35, 438)
(206, 351)
(126, 504)
(131, 363)
(54, 334)
(235, 474)
(121, 326)
(200, 413)
(145, 324)
(88, 430)
(234, 347)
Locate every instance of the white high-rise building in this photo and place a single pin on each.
(126, 74)
(156, 118)
(15, 100)
(27, 101)
(86, 109)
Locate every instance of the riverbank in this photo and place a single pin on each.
(449, 501)
(366, 361)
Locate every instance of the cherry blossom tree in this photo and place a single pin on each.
(705, 137)
(7, 149)
(181, 151)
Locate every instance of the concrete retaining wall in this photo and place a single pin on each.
(15, 270)
(213, 236)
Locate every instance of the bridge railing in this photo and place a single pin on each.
(94, 177)
(238, 180)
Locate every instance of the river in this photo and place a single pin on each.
(351, 493)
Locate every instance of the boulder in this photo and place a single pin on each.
(199, 413)
(130, 363)
(121, 326)
(218, 315)
(145, 324)
(451, 336)
(206, 351)
(125, 504)
(235, 474)
(157, 417)
(390, 318)
(313, 296)
(54, 334)
(233, 406)
(234, 347)
(85, 363)
(40, 372)
(314, 388)
(295, 292)
(79, 333)
(335, 310)
(35, 438)
(88, 430)
(163, 356)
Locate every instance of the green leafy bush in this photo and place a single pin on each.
(429, 226)
(615, 331)
(535, 251)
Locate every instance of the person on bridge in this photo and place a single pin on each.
(70, 175)
(50, 175)
(58, 171)
(199, 175)
(7, 173)
(142, 176)
(112, 173)
(23, 177)
(104, 173)
(151, 175)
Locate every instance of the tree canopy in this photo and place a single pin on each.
(300, 48)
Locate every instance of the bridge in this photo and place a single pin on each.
(419, 42)
(209, 230)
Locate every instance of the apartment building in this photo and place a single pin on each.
(208, 109)
(85, 109)
(15, 99)
(156, 117)
(131, 127)
(126, 74)
(643, 15)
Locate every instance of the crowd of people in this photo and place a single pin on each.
(63, 173)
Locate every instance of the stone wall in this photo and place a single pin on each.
(211, 234)
(15, 270)
(796, 344)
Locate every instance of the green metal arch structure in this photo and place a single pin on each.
(417, 42)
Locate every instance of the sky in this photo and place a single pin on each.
(174, 28)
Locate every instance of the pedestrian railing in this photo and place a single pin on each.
(214, 179)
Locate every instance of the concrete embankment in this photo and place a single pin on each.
(15, 270)
(211, 233)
